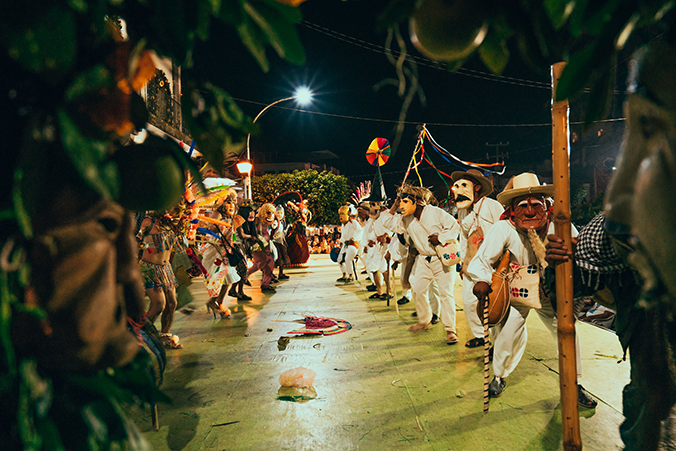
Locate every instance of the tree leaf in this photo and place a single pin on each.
(595, 23)
(89, 157)
(35, 46)
(600, 98)
(577, 72)
(280, 32)
(558, 11)
(577, 18)
(494, 52)
(290, 14)
(254, 40)
(89, 80)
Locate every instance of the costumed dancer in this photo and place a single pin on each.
(236, 256)
(408, 252)
(364, 220)
(428, 226)
(524, 225)
(377, 238)
(476, 213)
(215, 262)
(246, 233)
(279, 239)
(298, 249)
(349, 239)
(158, 241)
(263, 250)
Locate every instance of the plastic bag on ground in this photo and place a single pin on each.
(297, 377)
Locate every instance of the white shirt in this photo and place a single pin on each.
(351, 230)
(488, 211)
(501, 237)
(432, 220)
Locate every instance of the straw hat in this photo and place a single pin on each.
(474, 174)
(522, 184)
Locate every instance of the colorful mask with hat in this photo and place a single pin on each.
(469, 187)
(525, 202)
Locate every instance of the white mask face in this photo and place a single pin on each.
(463, 192)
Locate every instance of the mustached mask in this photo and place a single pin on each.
(464, 192)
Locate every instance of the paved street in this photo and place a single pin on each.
(379, 387)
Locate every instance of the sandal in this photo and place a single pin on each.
(244, 297)
(171, 341)
(474, 343)
(585, 399)
(374, 296)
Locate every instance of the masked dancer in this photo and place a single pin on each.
(476, 213)
(526, 222)
(427, 226)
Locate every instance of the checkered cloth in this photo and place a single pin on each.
(595, 255)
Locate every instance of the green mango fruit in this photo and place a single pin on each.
(150, 176)
(448, 30)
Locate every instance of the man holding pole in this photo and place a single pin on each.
(521, 231)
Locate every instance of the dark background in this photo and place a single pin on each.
(465, 111)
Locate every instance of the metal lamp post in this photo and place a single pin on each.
(303, 96)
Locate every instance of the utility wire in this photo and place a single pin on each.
(436, 124)
(424, 61)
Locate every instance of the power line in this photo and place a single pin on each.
(436, 124)
(424, 61)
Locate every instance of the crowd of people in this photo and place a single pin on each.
(221, 241)
(431, 248)
(323, 238)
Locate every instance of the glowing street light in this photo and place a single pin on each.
(303, 96)
(244, 167)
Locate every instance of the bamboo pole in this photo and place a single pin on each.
(564, 270)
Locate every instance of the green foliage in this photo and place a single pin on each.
(588, 35)
(70, 106)
(581, 211)
(323, 192)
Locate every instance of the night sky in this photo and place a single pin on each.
(345, 61)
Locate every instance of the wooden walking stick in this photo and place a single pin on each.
(486, 357)
(394, 285)
(387, 283)
(564, 270)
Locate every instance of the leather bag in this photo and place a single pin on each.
(499, 297)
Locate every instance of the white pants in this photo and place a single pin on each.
(349, 252)
(469, 302)
(511, 337)
(422, 275)
(375, 259)
(434, 298)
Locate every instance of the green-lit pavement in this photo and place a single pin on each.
(379, 387)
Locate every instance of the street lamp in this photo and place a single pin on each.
(303, 96)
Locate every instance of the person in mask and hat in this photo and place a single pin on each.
(427, 226)
(476, 213)
(349, 239)
(522, 230)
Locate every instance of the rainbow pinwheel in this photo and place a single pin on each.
(378, 152)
